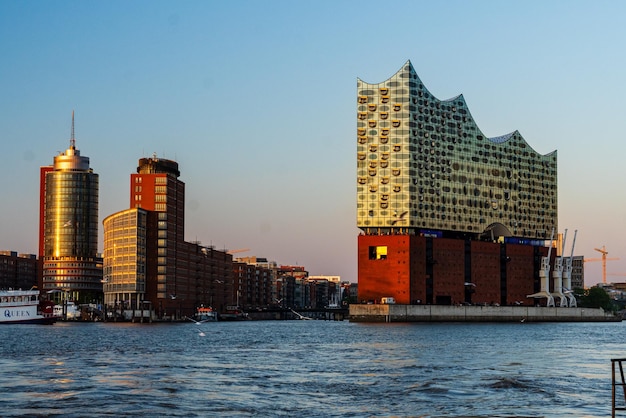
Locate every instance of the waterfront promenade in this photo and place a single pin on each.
(439, 313)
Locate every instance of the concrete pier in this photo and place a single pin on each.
(440, 313)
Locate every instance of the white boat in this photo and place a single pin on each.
(72, 312)
(24, 307)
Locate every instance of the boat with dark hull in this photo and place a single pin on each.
(205, 315)
(24, 307)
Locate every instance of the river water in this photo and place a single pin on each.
(309, 368)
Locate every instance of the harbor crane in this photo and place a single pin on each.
(544, 277)
(604, 259)
(557, 276)
(567, 275)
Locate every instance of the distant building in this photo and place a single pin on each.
(68, 237)
(147, 260)
(350, 292)
(18, 271)
(578, 272)
(270, 267)
(447, 215)
(290, 285)
(328, 290)
(332, 279)
(252, 286)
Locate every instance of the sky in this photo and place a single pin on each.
(256, 101)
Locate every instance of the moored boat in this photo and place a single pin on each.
(24, 307)
(205, 314)
(67, 311)
(233, 313)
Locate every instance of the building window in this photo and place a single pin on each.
(378, 252)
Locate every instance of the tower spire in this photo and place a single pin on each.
(72, 139)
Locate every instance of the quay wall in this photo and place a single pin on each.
(441, 313)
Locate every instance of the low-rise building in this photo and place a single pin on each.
(18, 271)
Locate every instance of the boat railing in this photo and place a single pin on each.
(615, 383)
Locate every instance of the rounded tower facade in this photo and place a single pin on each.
(70, 252)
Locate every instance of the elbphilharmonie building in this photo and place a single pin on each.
(441, 206)
(423, 163)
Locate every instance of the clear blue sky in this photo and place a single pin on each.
(256, 100)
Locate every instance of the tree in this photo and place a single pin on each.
(597, 297)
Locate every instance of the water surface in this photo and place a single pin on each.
(309, 368)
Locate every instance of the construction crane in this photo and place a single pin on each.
(604, 259)
(240, 250)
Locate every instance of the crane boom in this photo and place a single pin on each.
(604, 252)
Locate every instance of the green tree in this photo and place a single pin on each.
(597, 297)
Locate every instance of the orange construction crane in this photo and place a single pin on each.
(604, 259)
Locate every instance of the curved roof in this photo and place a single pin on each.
(423, 163)
(459, 98)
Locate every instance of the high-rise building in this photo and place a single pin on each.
(147, 263)
(69, 227)
(156, 188)
(441, 206)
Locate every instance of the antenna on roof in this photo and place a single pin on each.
(72, 139)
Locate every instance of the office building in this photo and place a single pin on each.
(125, 258)
(18, 271)
(447, 214)
(147, 262)
(69, 227)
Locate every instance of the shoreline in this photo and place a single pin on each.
(446, 313)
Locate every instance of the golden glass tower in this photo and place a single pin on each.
(70, 227)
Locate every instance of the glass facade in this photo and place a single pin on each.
(423, 164)
(125, 258)
(70, 228)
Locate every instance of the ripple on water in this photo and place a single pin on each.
(309, 368)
